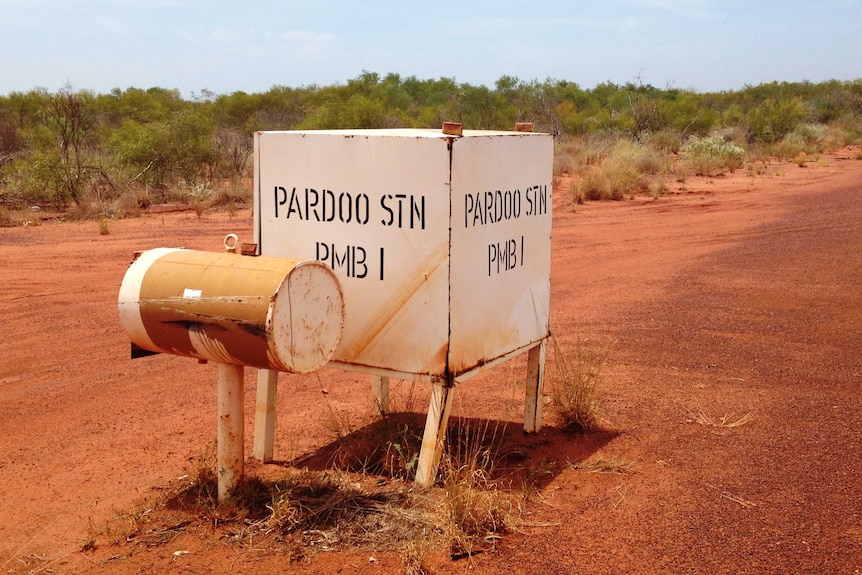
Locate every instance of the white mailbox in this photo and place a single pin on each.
(442, 246)
(441, 243)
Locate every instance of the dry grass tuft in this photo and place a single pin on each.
(305, 512)
(300, 514)
(601, 463)
(477, 510)
(728, 420)
(574, 386)
(389, 448)
(620, 172)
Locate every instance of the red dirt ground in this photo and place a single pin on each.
(736, 296)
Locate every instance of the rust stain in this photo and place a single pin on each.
(401, 298)
(442, 353)
(229, 320)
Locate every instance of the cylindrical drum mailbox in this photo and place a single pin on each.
(267, 312)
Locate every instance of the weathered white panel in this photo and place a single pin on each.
(501, 245)
(374, 205)
(441, 243)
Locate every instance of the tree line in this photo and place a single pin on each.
(71, 147)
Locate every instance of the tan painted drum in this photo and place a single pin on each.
(267, 312)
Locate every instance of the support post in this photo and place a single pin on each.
(230, 428)
(435, 434)
(264, 414)
(535, 388)
(380, 394)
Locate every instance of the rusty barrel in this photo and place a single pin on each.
(266, 312)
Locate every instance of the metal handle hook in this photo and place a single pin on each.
(230, 243)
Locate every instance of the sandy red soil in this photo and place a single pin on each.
(736, 296)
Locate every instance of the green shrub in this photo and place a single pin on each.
(712, 155)
(40, 180)
(805, 139)
(775, 118)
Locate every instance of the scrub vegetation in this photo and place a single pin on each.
(303, 512)
(113, 155)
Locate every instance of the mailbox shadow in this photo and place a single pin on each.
(389, 448)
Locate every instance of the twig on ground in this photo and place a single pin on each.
(735, 498)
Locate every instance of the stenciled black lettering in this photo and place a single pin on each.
(418, 210)
(537, 198)
(543, 199)
(400, 207)
(505, 256)
(309, 204)
(328, 200)
(469, 204)
(293, 206)
(522, 250)
(385, 206)
(359, 263)
(400, 198)
(283, 198)
(340, 260)
(312, 199)
(478, 211)
(363, 209)
(492, 207)
(341, 207)
(321, 252)
(350, 261)
(512, 256)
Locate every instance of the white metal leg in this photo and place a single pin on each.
(264, 414)
(230, 428)
(435, 434)
(535, 388)
(380, 394)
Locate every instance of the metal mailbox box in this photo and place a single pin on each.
(441, 243)
(272, 313)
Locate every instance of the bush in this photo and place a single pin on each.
(805, 139)
(621, 173)
(667, 141)
(712, 155)
(578, 152)
(39, 180)
(773, 119)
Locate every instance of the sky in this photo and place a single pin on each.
(196, 46)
